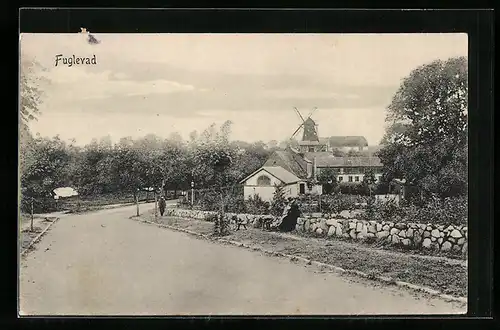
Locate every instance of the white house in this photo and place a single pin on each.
(262, 182)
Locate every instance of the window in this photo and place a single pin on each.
(356, 178)
(263, 180)
(311, 149)
(341, 178)
(350, 178)
(302, 188)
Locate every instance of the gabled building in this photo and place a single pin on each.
(298, 169)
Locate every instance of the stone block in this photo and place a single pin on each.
(406, 242)
(402, 233)
(338, 231)
(446, 246)
(394, 231)
(435, 233)
(332, 222)
(455, 234)
(372, 228)
(426, 243)
(382, 234)
(409, 232)
(461, 241)
(331, 231)
(395, 239)
(400, 226)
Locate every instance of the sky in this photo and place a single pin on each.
(165, 83)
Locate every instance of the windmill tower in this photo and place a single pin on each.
(310, 139)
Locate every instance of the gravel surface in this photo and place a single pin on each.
(449, 276)
(104, 263)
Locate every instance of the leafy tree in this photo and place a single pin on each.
(426, 138)
(354, 153)
(369, 180)
(45, 171)
(328, 179)
(30, 91)
(338, 153)
(279, 201)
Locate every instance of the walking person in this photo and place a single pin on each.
(162, 204)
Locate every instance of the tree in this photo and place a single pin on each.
(45, 171)
(278, 202)
(426, 137)
(30, 91)
(369, 180)
(328, 179)
(338, 153)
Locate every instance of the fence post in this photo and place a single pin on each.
(156, 204)
(137, 201)
(319, 202)
(32, 216)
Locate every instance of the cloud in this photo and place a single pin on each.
(76, 83)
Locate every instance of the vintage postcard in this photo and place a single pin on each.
(243, 174)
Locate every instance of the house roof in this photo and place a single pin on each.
(282, 174)
(290, 161)
(278, 172)
(347, 141)
(326, 159)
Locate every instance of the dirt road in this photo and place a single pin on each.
(103, 263)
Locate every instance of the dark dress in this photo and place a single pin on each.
(162, 205)
(290, 219)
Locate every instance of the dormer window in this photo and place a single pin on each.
(263, 180)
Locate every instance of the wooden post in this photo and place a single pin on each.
(137, 201)
(32, 216)
(319, 202)
(156, 204)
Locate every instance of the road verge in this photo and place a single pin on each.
(387, 280)
(38, 237)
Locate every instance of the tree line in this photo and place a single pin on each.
(425, 144)
(102, 167)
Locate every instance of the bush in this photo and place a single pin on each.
(353, 188)
(441, 211)
(336, 203)
(278, 203)
(235, 204)
(255, 205)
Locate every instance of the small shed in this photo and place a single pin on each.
(64, 192)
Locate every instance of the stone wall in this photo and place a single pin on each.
(415, 236)
(250, 219)
(407, 235)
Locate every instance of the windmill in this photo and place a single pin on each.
(310, 127)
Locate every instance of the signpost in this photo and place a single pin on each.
(137, 201)
(156, 204)
(192, 193)
(32, 216)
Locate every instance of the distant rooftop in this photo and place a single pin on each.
(347, 141)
